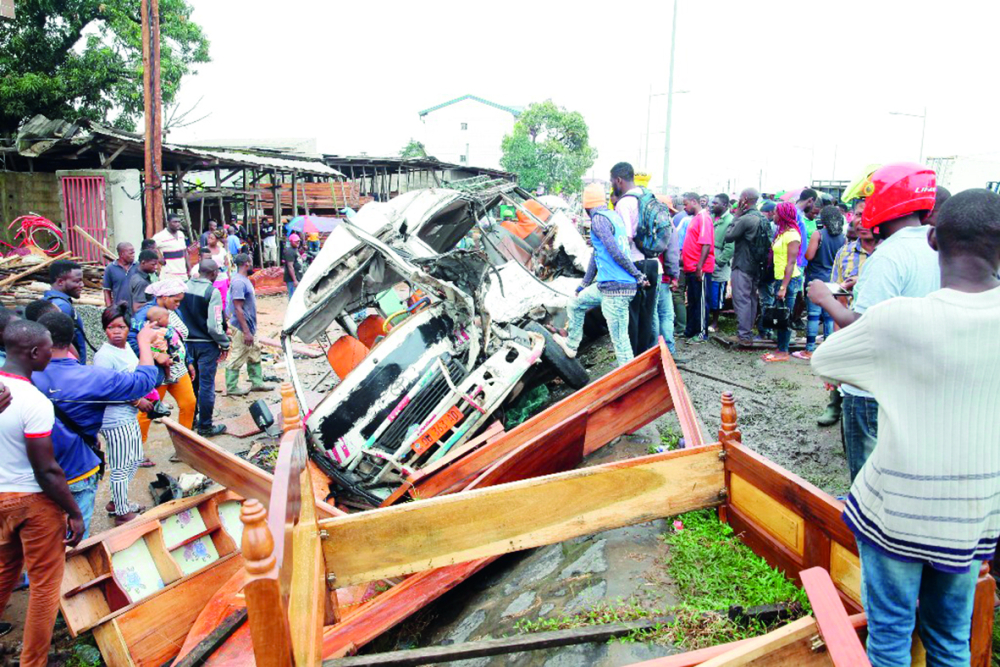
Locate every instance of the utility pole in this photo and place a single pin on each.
(670, 100)
(923, 129)
(153, 107)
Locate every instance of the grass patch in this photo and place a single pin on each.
(714, 570)
(996, 640)
(670, 440)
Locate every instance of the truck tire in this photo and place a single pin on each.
(570, 371)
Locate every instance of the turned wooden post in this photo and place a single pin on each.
(728, 433)
(289, 408)
(272, 643)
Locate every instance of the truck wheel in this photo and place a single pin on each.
(569, 370)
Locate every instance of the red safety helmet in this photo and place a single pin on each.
(896, 190)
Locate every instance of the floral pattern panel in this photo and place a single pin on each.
(181, 526)
(136, 571)
(195, 555)
(229, 515)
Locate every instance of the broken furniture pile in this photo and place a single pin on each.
(316, 583)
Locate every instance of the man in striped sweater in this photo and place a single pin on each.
(925, 507)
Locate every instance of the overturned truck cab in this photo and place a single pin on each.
(429, 375)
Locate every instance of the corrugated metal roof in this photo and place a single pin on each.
(516, 111)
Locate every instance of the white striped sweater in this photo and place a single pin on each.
(930, 492)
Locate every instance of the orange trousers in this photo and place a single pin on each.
(32, 529)
(182, 392)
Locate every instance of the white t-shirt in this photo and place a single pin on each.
(173, 247)
(30, 415)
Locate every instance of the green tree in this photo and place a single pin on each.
(549, 146)
(413, 149)
(82, 59)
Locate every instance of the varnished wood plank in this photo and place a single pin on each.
(392, 541)
(841, 640)
(845, 570)
(784, 524)
(216, 638)
(982, 618)
(698, 657)
(686, 415)
(562, 450)
(805, 499)
(306, 603)
(759, 647)
(272, 642)
(231, 471)
(112, 645)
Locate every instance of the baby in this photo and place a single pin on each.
(173, 346)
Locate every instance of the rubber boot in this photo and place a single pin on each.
(256, 373)
(232, 383)
(832, 414)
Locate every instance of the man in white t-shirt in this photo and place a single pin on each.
(172, 244)
(35, 501)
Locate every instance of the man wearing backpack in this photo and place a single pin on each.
(642, 325)
(610, 282)
(752, 239)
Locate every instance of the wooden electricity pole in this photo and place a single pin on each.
(153, 106)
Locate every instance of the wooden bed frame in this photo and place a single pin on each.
(291, 580)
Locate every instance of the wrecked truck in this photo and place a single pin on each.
(468, 339)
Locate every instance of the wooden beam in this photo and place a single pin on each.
(101, 248)
(686, 414)
(307, 608)
(393, 541)
(105, 163)
(272, 641)
(841, 639)
(207, 646)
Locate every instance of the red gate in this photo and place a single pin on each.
(83, 199)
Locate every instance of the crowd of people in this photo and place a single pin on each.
(903, 287)
(168, 324)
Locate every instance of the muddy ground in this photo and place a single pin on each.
(777, 403)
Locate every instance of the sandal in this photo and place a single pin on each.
(805, 355)
(772, 357)
(134, 508)
(146, 463)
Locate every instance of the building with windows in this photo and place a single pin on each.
(467, 130)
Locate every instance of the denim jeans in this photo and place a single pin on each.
(889, 592)
(665, 315)
(291, 289)
(615, 310)
(816, 315)
(205, 357)
(860, 424)
(85, 494)
(791, 292)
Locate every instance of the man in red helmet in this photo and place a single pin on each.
(897, 199)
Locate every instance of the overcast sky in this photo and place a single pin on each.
(776, 88)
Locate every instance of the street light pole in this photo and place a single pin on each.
(923, 129)
(649, 110)
(670, 101)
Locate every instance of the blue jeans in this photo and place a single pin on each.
(815, 316)
(792, 291)
(85, 494)
(860, 423)
(615, 310)
(205, 357)
(664, 319)
(889, 592)
(291, 289)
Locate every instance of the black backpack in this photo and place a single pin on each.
(760, 244)
(652, 233)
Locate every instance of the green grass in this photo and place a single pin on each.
(996, 640)
(714, 570)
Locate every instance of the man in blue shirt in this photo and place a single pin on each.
(80, 393)
(66, 278)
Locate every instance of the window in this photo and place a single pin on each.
(465, 126)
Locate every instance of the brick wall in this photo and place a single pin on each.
(22, 193)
